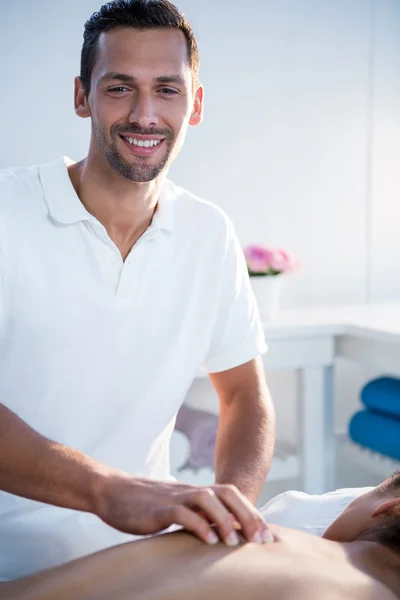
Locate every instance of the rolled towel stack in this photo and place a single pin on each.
(200, 427)
(372, 430)
(378, 426)
(382, 395)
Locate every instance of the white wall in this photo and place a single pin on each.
(383, 184)
(385, 163)
(300, 142)
(287, 115)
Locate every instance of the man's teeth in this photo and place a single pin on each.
(143, 143)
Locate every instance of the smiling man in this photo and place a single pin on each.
(116, 286)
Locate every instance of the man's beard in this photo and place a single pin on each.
(140, 173)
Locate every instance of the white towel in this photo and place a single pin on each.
(312, 514)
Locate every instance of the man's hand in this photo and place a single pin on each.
(143, 507)
(32, 466)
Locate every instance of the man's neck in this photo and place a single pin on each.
(124, 207)
(376, 560)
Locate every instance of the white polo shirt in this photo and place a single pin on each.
(97, 353)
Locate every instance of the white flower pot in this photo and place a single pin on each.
(267, 292)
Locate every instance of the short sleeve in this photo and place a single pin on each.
(238, 335)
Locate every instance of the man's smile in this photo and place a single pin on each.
(142, 145)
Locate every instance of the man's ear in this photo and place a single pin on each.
(387, 506)
(80, 101)
(197, 112)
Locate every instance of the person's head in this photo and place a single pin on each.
(139, 85)
(374, 516)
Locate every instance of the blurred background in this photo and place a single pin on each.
(300, 145)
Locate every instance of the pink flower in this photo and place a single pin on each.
(259, 258)
(283, 261)
(264, 260)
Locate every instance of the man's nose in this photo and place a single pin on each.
(143, 112)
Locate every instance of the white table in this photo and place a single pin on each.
(309, 340)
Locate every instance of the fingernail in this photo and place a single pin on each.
(257, 538)
(232, 539)
(267, 537)
(212, 538)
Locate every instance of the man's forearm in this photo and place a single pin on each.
(34, 467)
(245, 443)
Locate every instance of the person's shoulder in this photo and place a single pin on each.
(16, 185)
(309, 561)
(15, 177)
(192, 209)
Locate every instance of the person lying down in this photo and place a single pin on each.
(358, 558)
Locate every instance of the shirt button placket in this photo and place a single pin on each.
(132, 268)
(129, 274)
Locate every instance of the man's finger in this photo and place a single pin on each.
(193, 522)
(253, 526)
(236, 524)
(206, 500)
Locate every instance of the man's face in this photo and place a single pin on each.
(141, 100)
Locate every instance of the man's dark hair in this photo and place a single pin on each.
(387, 532)
(391, 485)
(138, 14)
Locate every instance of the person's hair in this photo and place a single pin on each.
(391, 485)
(387, 532)
(138, 14)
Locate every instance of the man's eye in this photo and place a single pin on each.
(168, 91)
(119, 89)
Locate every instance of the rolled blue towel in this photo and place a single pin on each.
(376, 432)
(382, 395)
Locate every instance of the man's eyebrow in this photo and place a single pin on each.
(171, 79)
(165, 79)
(117, 76)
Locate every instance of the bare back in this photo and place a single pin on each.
(178, 567)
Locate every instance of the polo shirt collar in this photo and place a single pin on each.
(62, 200)
(66, 207)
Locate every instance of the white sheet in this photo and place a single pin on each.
(312, 514)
